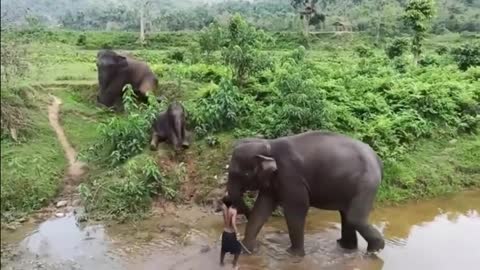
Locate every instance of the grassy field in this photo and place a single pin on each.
(438, 158)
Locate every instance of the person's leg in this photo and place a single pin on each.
(222, 257)
(235, 260)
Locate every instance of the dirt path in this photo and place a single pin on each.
(76, 168)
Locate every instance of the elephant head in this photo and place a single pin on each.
(109, 63)
(252, 167)
(111, 59)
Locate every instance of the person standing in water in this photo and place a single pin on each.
(230, 244)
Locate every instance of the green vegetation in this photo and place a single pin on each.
(434, 168)
(418, 14)
(237, 80)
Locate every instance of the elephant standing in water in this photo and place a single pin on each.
(320, 169)
(115, 71)
(170, 126)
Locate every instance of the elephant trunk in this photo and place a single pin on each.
(236, 195)
(178, 130)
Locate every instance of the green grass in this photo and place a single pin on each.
(31, 171)
(433, 168)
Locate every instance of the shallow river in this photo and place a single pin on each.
(440, 234)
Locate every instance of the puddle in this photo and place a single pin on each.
(437, 234)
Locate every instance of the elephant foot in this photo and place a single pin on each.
(297, 252)
(346, 244)
(376, 245)
(185, 145)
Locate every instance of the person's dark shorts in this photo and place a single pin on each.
(230, 244)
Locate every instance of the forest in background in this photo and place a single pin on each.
(169, 15)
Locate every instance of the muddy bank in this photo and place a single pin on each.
(436, 234)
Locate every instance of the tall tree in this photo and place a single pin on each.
(418, 14)
(306, 9)
(143, 7)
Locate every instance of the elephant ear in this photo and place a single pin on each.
(265, 169)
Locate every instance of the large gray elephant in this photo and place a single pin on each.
(115, 71)
(317, 168)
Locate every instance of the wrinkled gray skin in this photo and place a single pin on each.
(170, 126)
(115, 71)
(312, 169)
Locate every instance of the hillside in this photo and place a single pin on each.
(422, 119)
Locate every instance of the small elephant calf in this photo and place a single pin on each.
(170, 126)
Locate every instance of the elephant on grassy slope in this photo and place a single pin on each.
(115, 71)
(317, 168)
(170, 126)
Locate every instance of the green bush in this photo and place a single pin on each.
(220, 110)
(441, 50)
(388, 106)
(363, 51)
(125, 190)
(242, 51)
(428, 60)
(82, 40)
(468, 55)
(206, 73)
(176, 55)
(397, 47)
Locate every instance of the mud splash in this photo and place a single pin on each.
(438, 234)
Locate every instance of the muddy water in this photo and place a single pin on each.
(438, 234)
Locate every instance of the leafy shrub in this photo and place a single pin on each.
(397, 47)
(206, 73)
(363, 51)
(176, 55)
(126, 190)
(428, 60)
(220, 110)
(212, 38)
(401, 64)
(441, 50)
(242, 51)
(82, 40)
(467, 55)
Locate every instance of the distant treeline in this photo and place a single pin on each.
(271, 15)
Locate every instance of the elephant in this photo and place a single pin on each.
(115, 71)
(320, 169)
(170, 126)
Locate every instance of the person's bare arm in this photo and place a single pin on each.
(225, 215)
(234, 221)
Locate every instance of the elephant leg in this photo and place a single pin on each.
(185, 143)
(349, 235)
(295, 215)
(262, 210)
(357, 215)
(242, 208)
(173, 138)
(154, 141)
